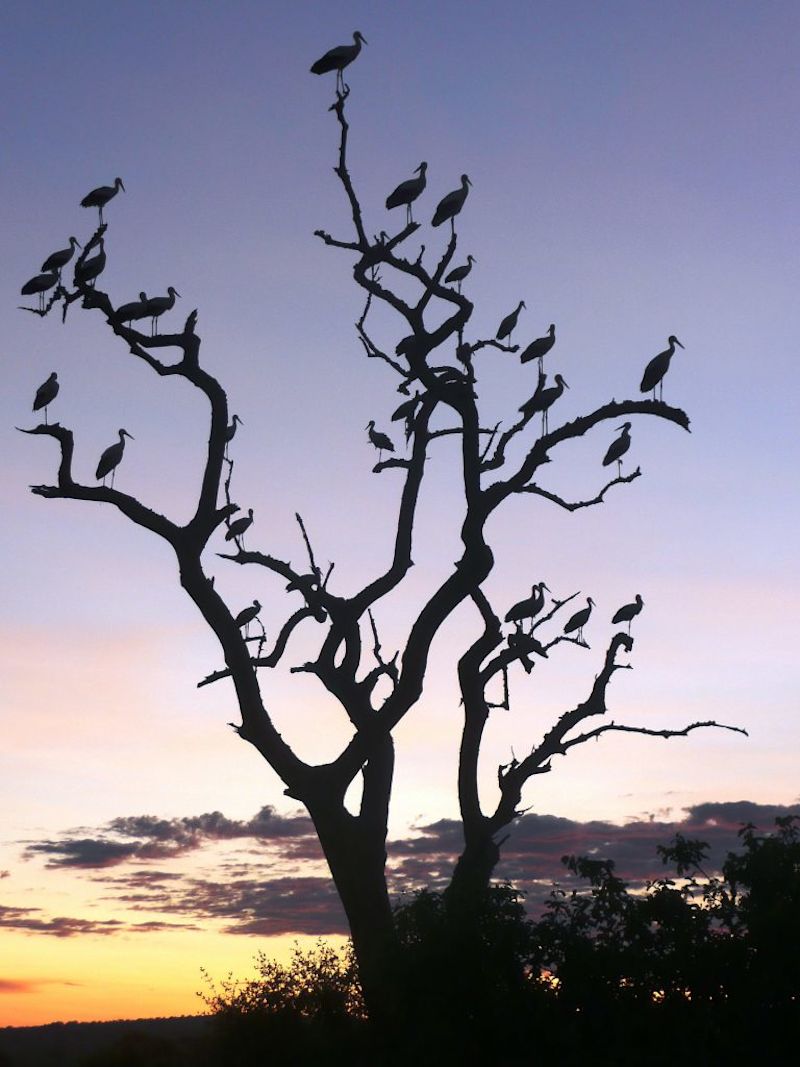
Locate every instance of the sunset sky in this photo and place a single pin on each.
(634, 171)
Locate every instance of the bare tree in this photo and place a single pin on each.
(437, 368)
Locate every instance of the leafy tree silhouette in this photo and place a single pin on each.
(437, 358)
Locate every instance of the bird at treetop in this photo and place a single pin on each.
(629, 612)
(539, 348)
(136, 309)
(87, 272)
(230, 432)
(458, 274)
(657, 367)
(378, 440)
(40, 284)
(528, 608)
(506, 327)
(618, 447)
(579, 619)
(60, 259)
(407, 192)
(246, 615)
(100, 196)
(338, 58)
(450, 205)
(543, 399)
(111, 457)
(46, 394)
(237, 528)
(157, 305)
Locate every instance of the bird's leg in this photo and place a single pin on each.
(541, 368)
(45, 414)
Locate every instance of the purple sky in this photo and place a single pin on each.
(634, 174)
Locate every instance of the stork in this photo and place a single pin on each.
(579, 619)
(450, 205)
(407, 410)
(338, 58)
(157, 305)
(618, 447)
(629, 612)
(378, 440)
(407, 192)
(40, 284)
(230, 432)
(236, 529)
(136, 309)
(657, 367)
(528, 608)
(246, 616)
(87, 272)
(46, 394)
(58, 260)
(543, 399)
(110, 459)
(100, 196)
(539, 348)
(506, 327)
(458, 274)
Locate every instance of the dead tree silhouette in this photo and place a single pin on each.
(351, 664)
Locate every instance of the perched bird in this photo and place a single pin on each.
(657, 367)
(450, 205)
(230, 432)
(408, 410)
(338, 58)
(378, 440)
(407, 192)
(246, 615)
(237, 528)
(136, 309)
(87, 272)
(506, 327)
(59, 259)
(40, 284)
(579, 619)
(618, 447)
(157, 305)
(109, 461)
(458, 274)
(539, 348)
(528, 608)
(629, 612)
(46, 394)
(543, 399)
(100, 196)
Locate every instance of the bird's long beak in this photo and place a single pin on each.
(122, 186)
(177, 293)
(621, 428)
(129, 435)
(677, 342)
(564, 384)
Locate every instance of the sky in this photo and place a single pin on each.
(634, 174)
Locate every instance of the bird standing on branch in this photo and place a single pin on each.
(506, 327)
(46, 394)
(338, 58)
(136, 309)
(618, 448)
(408, 410)
(59, 259)
(629, 612)
(109, 461)
(157, 305)
(378, 440)
(246, 616)
(657, 367)
(236, 529)
(543, 399)
(40, 284)
(450, 205)
(579, 619)
(230, 432)
(539, 348)
(458, 274)
(528, 608)
(100, 196)
(407, 192)
(87, 272)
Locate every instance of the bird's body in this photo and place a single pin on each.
(46, 394)
(58, 260)
(450, 205)
(579, 619)
(407, 192)
(157, 305)
(100, 196)
(338, 58)
(506, 327)
(378, 440)
(39, 285)
(543, 399)
(237, 528)
(87, 272)
(407, 411)
(539, 348)
(246, 615)
(136, 309)
(458, 274)
(528, 608)
(618, 447)
(110, 459)
(629, 612)
(657, 367)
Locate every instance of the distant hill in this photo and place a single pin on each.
(180, 1042)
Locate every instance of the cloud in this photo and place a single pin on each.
(60, 926)
(5, 874)
(13, 985)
